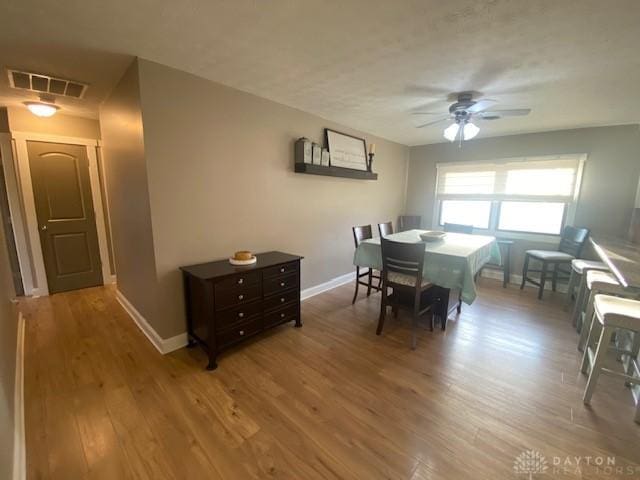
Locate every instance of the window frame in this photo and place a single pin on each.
(494, 217)
(489, 221)
(563, 222)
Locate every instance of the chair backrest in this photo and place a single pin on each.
(404, 258)
(458, 228)
(573, 240)
(361, 233)
(385, 228)
(409, 222)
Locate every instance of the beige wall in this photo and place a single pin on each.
(22, 120)
(220, 170)
(123, 153)
(609, 182)
(8, 337)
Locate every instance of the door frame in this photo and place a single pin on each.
(15, 209)
(39, 285)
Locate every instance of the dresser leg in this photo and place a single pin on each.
(212, 364)
(191, 343)
(298, 323)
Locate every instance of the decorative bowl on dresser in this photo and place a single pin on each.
(226, 304)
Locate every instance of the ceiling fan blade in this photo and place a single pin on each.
(448, 117)
(480, 105)
(426, 113)
(514, 112)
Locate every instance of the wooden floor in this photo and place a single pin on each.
(329, 400)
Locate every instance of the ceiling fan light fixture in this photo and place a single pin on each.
(451, 132)
(42, 109)
(469, 131)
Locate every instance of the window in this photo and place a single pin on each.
(523, 195)
(469, 182)
(466, 212)
(531, 217)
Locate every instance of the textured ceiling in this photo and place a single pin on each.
(364, 63)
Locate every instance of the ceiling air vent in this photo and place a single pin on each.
(35, 82)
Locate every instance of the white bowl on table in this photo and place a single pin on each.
(432, 235)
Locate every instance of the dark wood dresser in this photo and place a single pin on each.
(226, 304)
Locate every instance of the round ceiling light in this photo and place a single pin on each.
(42, 109)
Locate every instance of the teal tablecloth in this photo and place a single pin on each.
(449, 263)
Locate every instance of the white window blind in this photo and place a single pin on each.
(548, 178)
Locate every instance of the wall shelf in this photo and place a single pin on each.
(334, 171)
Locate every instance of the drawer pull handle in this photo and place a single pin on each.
(240, 314)
(282, 315)
(240, 281)
(282, 270)
(282, 284)
(240, 297)
(282, 300)
(241, 332)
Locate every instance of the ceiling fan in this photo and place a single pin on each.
(466, 109)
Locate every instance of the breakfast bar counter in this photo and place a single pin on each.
(621, 256)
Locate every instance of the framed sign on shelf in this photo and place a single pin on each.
(346, 150)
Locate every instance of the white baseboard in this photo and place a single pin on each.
(516, 279)
(19, 446)
(174, 343)
(331, 284)
(162, 345)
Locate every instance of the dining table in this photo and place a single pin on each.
(451, 264)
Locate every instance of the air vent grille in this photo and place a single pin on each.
(35, 82)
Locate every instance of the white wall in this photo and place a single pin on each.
(8, 343)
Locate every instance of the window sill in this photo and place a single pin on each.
(516, 236)
(530, 237)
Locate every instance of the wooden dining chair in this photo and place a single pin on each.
(458, 228)
(385, 229)
(359, 234)
(402, 265)
(572, 242)
(409, 222)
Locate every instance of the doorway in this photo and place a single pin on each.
(65, 215)
(5, 217)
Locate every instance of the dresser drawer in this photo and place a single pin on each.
(237, 296)
(239, 280)
(276, 285)
(238, 332)
(281, 269)
(242, 313)
(280, 316)
(277, 301)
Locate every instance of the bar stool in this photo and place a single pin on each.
(597, 282)
(578, 268)
(571, 243)
(612, 313)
